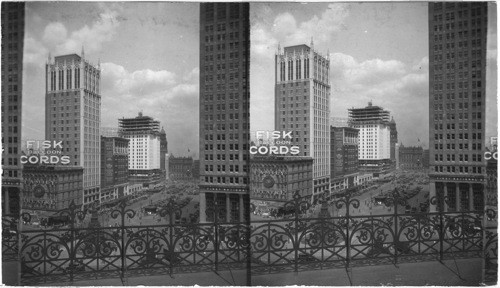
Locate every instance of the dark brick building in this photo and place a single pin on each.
(344, 157)
(114, 168)
(12, 79)
(457, 102)
(224, 109)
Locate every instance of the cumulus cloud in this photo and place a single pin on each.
(58, 40)
(192, 75)
(286, 29)
(55, 33)
(138, 82)
(91, 37)
(391, 84)
(34, 52)
(160, 94)
(320, 27)
(368, 72)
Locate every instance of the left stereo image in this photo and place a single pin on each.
(125, 129)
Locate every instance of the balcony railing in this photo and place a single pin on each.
(291, 243)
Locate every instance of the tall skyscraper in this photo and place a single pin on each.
(302, 105)
(457, 76)
(73, 116)
(143, 148)
(12, 79)
(374, 138)
(224, 110)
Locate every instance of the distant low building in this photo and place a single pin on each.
(180, 168)
(196, 169)
(411, 158)
(425, 159)
(50, 187)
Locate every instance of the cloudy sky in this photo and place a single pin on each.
(149, 60)
(149, 55)
(378, 52)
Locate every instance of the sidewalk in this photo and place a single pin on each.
(406, 274)
(10, 273)
(222, 278)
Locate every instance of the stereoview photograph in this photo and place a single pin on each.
(249, 144)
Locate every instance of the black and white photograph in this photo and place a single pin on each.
(249, 144)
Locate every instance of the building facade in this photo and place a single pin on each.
(180, 168)
(302, 105)
(114, 168)
(196, 169)
(73, 116)
(143, 133)
(51, 187)
(410, 158)
(457, 81)
(277, 178)
(344, 158)
(12, 79)
(224, 110)
(425, 159)
(374, 138)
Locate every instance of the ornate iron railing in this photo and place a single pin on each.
(292, 243)
(491, 247)
(301, 243)
(10, 234)
(69, 254)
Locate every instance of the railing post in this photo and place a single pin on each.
(72, 253)
(124, 247)
(348, 236)
(171, 238)
(396, 233)
(216, 234)
(441, 234)
(297, 240)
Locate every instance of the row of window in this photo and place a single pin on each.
(460, 157)
(461, 126)
(222, 97)
(222, 87)
(460, 95)
(461, 146)
(461, 136)
(460, 106)
(232, 146)
(222, 168)
(460, 75)
(461, 116)
(221, 27)
(222, 180)
(460, 169)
